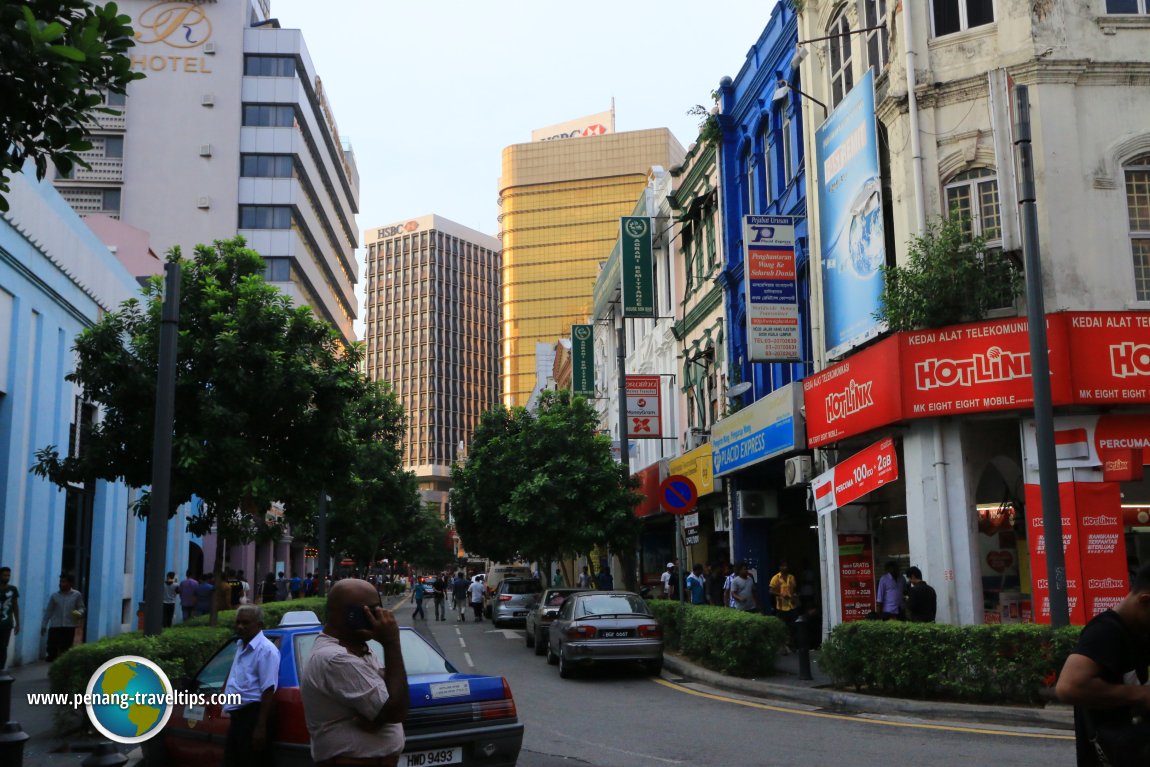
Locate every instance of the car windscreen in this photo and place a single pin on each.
(610, 604)
(521, 587)
(419, 657)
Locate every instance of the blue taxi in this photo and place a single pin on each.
(454, 718)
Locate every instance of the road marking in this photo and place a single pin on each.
(462, 643)
(507, 633)
(467, 657)
(857, 719)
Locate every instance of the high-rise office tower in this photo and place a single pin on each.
(230, 132)
(560, 201)
(432, 319)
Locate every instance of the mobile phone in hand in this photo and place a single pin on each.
(356, 620)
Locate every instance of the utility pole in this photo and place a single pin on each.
(621, 338)
(156, 535)
(1040, 365)
(322, 554)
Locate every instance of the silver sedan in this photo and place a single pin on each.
(604, 627)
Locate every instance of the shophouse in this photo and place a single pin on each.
(926, 437)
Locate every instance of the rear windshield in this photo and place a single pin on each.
(521, 587)
(611, 604)
(557, 598)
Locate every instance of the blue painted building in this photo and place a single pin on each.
(762, 173)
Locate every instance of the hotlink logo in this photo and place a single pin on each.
(996, 365)
(851, 400)
(1130, 359)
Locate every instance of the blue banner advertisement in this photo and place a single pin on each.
(767, 429)
(853, 241)
(771, 285)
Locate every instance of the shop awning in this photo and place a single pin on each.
(853, 478)
(696, 466)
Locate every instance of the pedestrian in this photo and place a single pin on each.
(254, 677)
(475, 593)
(171, 594)
(784, 589)
(1105, 679)
(235, 589)
(63, 613)
(743, 589)
(697, 585)
(439, 597)
(296, 585)
(585, 578)
(188, 595)
(459, 596)
(715, 584)
(889, 598)
(604, 581)
(354, 708)
(268, 590)
(309, 585)
(670, 580)
(417, 594)
(281, 588)
(727, 598)
(559, 581)
(9, 613)
(245, 589)
(204, 591)
(921, 600)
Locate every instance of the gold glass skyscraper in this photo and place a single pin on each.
(560, 206)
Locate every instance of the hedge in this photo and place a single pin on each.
(984, 664)
(725, 640)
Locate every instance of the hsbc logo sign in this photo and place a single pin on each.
(392, 231)
(1130, 359)
(598, 129)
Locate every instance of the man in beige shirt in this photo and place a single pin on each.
(354, 708)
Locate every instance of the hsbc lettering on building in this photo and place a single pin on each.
(1130, 359)
(995, 366)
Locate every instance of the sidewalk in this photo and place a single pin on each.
(785, 685)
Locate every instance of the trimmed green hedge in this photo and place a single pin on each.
(725, 640)
(180, 651)
(985, 664)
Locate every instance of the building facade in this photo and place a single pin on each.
(432, 319)
(944, 414)
(560, 206)
(229, 133)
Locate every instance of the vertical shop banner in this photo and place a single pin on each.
(644, 407)
(637, 267)
(851, 230)
(1040, 586)
(856, 576)
(770, 283)
(1102, 545)
(583, 360)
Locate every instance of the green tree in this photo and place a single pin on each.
(950, 277)
(265, 398)
(542, 485)
(423, 539)
(56, 59)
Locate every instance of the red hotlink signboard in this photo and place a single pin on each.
(1095, 357)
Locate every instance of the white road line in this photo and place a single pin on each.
(467, 657)
(462, 643)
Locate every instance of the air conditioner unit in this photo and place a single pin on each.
(204, 202)
(696, 437)
(208, 100)
(205, 150)
(757, 504)
(210, 47)
(797, 470)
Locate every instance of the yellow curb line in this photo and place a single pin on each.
(860, 720)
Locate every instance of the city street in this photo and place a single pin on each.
(623, 718)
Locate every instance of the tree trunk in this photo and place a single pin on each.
(217, 573)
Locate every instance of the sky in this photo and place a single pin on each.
(429, 93)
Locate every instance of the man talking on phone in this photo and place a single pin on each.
(355, 708)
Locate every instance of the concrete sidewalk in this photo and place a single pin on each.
(785, 685)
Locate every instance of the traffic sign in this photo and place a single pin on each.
(691, 539)
(678, 494)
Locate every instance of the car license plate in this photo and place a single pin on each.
(435, 756)
(614, 634)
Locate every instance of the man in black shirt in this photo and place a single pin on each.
(1105, 679)
(921, 601)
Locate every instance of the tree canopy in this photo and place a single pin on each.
(57, 57)
(540, 485)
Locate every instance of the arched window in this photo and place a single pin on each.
(1137, 173)
(842, 74)
(877, 40)
(972, 196)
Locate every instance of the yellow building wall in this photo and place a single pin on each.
(560, 207)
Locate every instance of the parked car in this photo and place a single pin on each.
(541, 614)
(454, 718)
(604, 627)
(496, 575)
(513, 599)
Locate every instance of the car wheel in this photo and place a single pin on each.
(537, 642)
(565, 669)
(654, 667)
(529, 637)
(552, 658)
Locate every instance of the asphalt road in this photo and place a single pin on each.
(623, 718)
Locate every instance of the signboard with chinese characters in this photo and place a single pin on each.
(770, 283)
(644, 407)
(637, 266)
(583, 360)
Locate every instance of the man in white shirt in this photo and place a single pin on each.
(669, 579)
(254, 677)
(475, 594)
(353, 707)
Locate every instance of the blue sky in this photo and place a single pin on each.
(429, 93)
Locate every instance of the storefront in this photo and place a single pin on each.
(657, 538)
(953, 402)
(711, 542)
